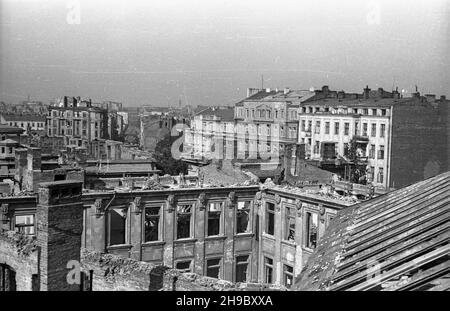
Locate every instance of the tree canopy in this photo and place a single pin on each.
(164, 160)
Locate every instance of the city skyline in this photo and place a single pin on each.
(130, 51)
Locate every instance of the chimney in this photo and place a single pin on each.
(286, 90)
(341, 95)
(59, 226)
(287, 161)
(268, 90)
(380, 92)
(299, 157)
(65, 101)
(431, 98)
(34, 159)
(325, 89)
(396, 94)
(443, 97)
(366, 92)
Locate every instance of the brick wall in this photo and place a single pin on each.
(114, 273)
(20, 253)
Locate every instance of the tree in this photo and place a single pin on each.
(164, 160)
(357, 170)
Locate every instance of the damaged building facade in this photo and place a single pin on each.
(240, 234)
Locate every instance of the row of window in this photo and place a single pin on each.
(360, 111)
(184, 224)
(22, 125)
(214, 267)
(317, 128)
(264, 113)
(288, 234)
(288, 273)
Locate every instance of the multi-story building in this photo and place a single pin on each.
(28, 122)
(396, 140)
(210, 135)
(78, 121)
(261, 126)
(154, 125)
(267, 120)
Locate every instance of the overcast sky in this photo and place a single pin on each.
(208, 52)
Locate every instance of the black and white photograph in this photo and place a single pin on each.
(234, 153)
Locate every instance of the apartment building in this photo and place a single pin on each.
(398, 140)
(78, 121)
(27, 122)
(267, 121)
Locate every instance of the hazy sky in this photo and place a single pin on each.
(208, 52)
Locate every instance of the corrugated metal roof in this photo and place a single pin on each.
(397, 241)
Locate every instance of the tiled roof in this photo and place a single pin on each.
(397, 241)
(6, 129)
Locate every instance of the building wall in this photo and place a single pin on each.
(313, 135)
(420, 142)
(168, 250)
(284, 251)
(20, 254)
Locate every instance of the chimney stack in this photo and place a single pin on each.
(366, 92)
(286, 90)
(325, 89)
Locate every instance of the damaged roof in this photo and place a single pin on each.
(397, 241)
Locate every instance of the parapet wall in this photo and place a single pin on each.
(19, 252)
(114, 273)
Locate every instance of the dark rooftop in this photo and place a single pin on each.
(397, 241)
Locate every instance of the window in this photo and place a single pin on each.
(243, 217)
(7, 279)
(268, 270)
(184, 221)
(117, 225)
(184, 266)
(371, 173)
(288, 275)
(336, 128)
(276, 114)
(382, 130)
(383, 112)
(317, 129)
(364, 133)
(374, 112)
(303, 125)
(381, 153)
(311, 221)
(373, 132)
(372, 152)
(380, 178)
(214, 211)
(213, 267)
(151, 224)
(25, 224)
(289, 229)
(309, 126)
(346, 128)
(327, 127)
(270, 218)
(366, 111)
(241, 268)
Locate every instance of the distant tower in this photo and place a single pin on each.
(179, 103)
